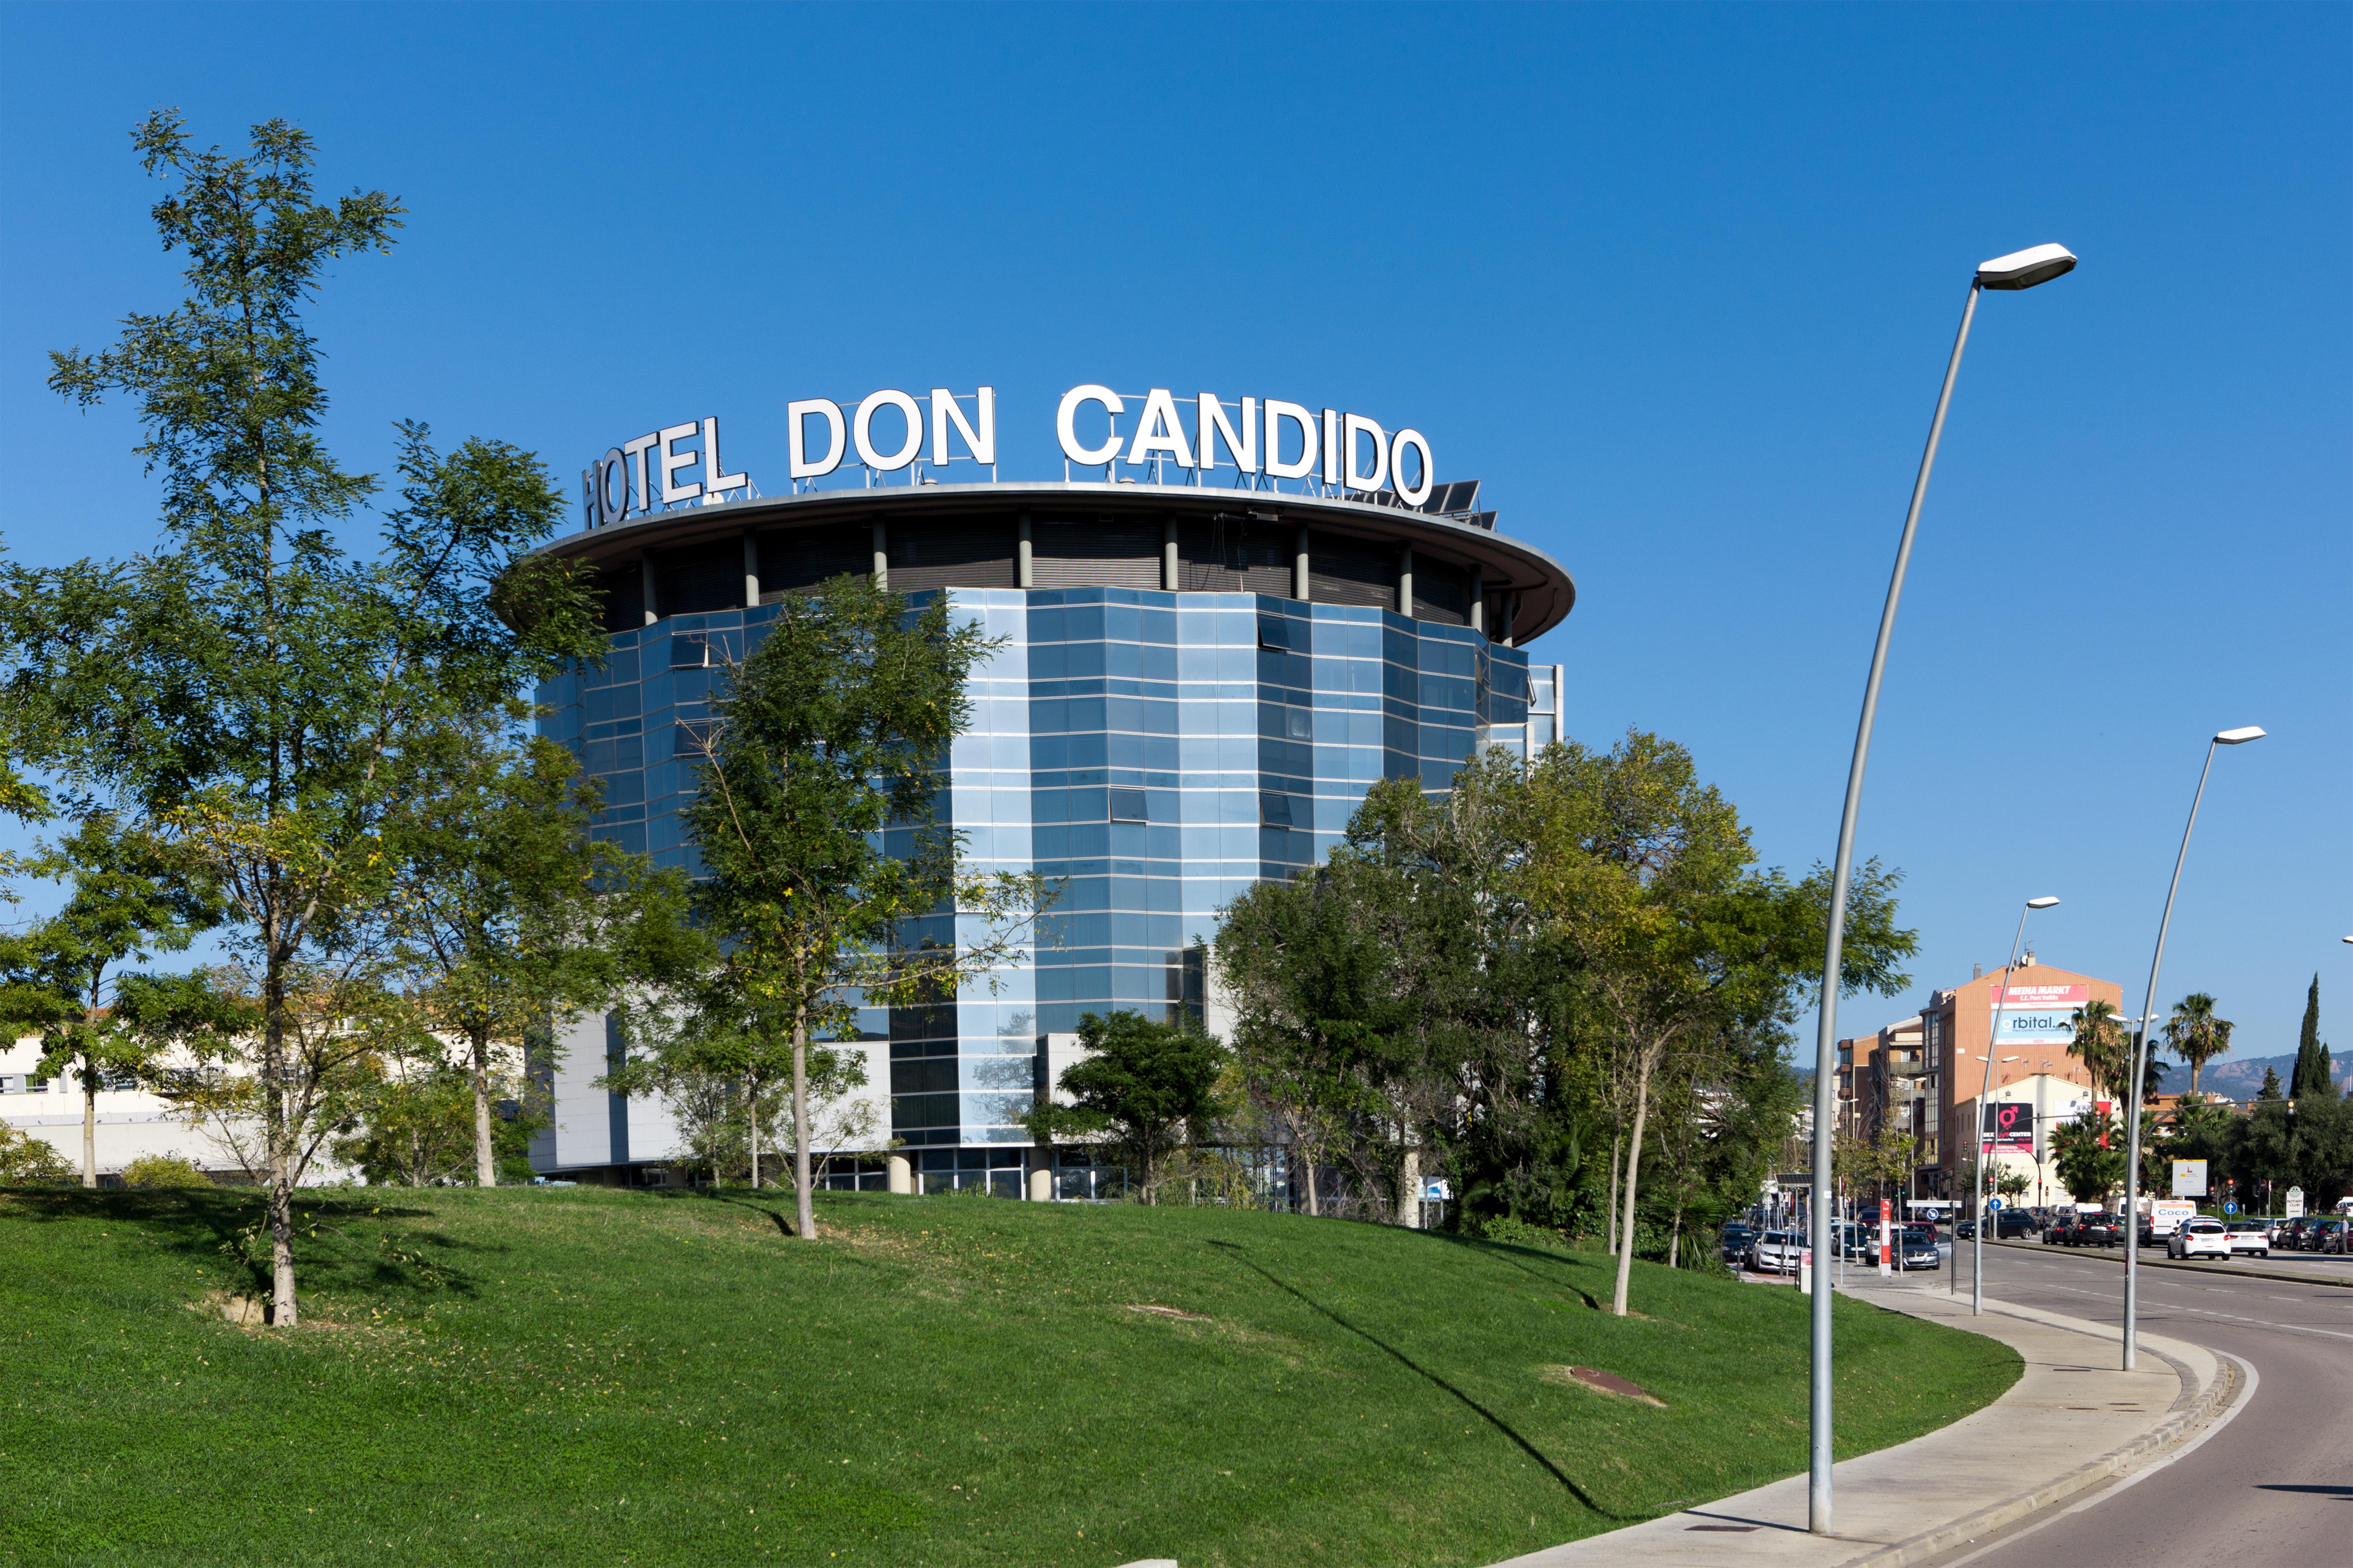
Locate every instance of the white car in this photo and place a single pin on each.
(2250, 1236)
(1778, 1252)
(2204, 1236)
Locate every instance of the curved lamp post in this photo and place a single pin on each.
(2020, 269)
(2140, 1051)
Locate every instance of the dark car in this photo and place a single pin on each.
(1965, 1230)
(2328, 1232)
(2094, 1228)
(2054, 1230)
(2013, 1222)
(1737, 1239)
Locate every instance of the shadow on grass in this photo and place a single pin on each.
(1489, 1417)
(1501, 1252)
(214, 1224)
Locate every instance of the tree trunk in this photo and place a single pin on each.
(1633, 1165)
(1617, 1146)
(1409, 1190)
(486, 1165)
(1314, 1206)
(1676, 1237)
(805, 1207)
(751, 1111)
(280, 1138)
(89, 1122)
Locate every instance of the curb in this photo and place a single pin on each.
(2191, 1411)
(2117, 1258)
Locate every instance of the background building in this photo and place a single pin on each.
(2036, 1084)
(1196, 688)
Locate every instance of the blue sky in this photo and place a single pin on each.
(1675, 281)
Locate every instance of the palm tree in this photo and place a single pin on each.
(2195, 1035)
(2102, 1045)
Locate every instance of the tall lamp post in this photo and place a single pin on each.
(2020, 269)
(2239, 737)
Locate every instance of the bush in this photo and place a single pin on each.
(163, 1170)
(1515, 1232)
(26, 1159)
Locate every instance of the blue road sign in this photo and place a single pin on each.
(2230, 1208)
(1994, 1204)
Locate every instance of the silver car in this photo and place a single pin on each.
(1778, 1252)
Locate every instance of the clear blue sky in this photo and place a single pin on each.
(1676, 281)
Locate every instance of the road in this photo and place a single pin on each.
(2273, 1489)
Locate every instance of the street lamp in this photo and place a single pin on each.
(2020, 269)
(2238, 737)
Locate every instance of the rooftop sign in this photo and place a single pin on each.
(1335, 452)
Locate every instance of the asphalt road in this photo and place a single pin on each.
(2273, 1489)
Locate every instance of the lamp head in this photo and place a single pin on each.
(2025, 268)
(2041, 903)
(2239, 737)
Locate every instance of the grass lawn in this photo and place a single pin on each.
(567, 1377)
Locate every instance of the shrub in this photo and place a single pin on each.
(26, 1159)
(163, 1170)
(1515, 1232)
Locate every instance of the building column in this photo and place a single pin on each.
(1041, 1189)
(751, 570)
(1405, 582)
(645, 577)
(1302, 588)
(1023, 575)
(881, 557)
(1512, 626)
(1478, 597)
(902, 1174)
(1168, 555)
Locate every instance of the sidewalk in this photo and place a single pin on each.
(2070, 1422)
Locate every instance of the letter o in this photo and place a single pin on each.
(862, 431)
(612, 464)
(1065, 428)
(1420, 443)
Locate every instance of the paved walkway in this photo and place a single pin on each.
(2069, 1423)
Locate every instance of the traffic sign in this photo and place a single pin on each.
(2230, 1208)
(1994, 1204)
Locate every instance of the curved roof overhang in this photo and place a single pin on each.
(1547, 591)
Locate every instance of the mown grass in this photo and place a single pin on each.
(565, 1378)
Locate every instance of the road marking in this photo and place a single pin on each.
(2207, 1313)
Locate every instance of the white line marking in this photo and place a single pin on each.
(2208, 1312)
(2254, 1380)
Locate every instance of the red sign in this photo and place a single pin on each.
(1886, 1210)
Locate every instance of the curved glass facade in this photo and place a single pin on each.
(1154, 752)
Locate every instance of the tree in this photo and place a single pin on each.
(827, 880)
(2195, 1035)
(2313, 1071)
(60, 979)
(2104, 1048)
(506, 913)
(2271, 1084)
(1678, 944)
(2091, 1157)
(1151, 1085)
(248, 689)
(27, 1160)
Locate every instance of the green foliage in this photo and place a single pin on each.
(2195, 1035)
(163, 1170)
(27, 1160)
(2090, 1154)
(249, 692)
(827, 881)
(1150, 1085)
(415, 1129)
(536, 1357)
(2313, 1074)
(2103, 1046)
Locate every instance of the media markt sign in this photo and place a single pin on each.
(2190, 1178)
(2296, 1203)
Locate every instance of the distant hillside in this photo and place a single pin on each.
(2242, 1077)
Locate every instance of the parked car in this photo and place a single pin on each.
(2054, 1229)
(1965, 1230)
(2283, 1232)
(1736, 1239)
(2329, 1232)
(2011, 1222)
(1778, 1252)
(1915, 1247)
(2204, 1236)
(2251, 1236)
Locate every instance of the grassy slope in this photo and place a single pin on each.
(551, 1377)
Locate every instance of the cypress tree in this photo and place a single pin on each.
(2311, 1065)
